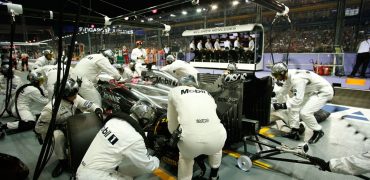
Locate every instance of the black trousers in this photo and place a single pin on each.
(362, 58)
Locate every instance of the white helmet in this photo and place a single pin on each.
(170, 59)
(71, 88)
(35, 78)
(47, 52)
(188, 80)
(145, 112)
(279, 70)
(232, 68)
(110, 55)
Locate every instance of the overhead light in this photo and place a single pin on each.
(184, 12)
(235, 3)
(160, 17)
(172, 15)
(150, 19)
(142, 21)
(154, 11)
(199, 10)
(214, 6)
(126, 18)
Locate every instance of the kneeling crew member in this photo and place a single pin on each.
(122, 139)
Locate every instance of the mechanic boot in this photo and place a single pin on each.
(58, 170)
(317, 135)
(301, 129)
(214, 174)
(294, 134)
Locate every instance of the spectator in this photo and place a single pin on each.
(363, 57)
(24, 58)
(125, 55)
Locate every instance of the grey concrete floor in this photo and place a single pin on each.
(339, 140)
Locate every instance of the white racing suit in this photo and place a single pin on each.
(354, 165)
(202, 132)
(138, 56)
(88, 69)
(66, 110)
(310, 92)
(51, 73)
(128, 74)
(42, 61)
(116, 143)
(27, 99)
(180, 68)
(16, 83)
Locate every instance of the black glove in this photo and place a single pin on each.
(119, 79)
(278, 106)
(323, 165)
(99, 113)
(273, 94)
(175, 137)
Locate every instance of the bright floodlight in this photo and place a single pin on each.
(235, 3)
(214, 7)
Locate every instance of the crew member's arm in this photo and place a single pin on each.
(85, 105)
(127, 75)
(172, 115)
(138, 154)
(105, 66)
(167, 68)
(38, 97)
(283, 91)
(215, 87)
